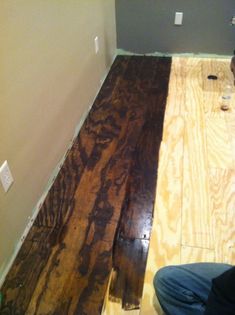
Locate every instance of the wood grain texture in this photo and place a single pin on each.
(194, 254)
(193, 221)
(230, 122)
(65, 270)
(130, 250)
(54, 210)
(196, 223)
(128, 275)
(213, 90)
(222, 194)
(218, 143)
(177, 86)
(65, 263)
(68, 253)
(166, 232)
(59, 231)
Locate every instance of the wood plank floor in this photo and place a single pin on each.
(65, 262)
(133, 234)
(194, 209)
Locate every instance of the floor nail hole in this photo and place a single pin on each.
(224, 108)
(212, 77)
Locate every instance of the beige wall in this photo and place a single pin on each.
(49, 76)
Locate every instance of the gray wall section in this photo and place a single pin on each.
(147, 26)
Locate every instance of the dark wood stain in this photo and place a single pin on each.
(133, 234)
(104, 191)
(130, 257)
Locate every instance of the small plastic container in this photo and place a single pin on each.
(226, 97)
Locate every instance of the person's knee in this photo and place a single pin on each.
(163, 278)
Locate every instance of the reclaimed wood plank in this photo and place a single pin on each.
(54, 217)
(136, 219)
(55, 209)
(129, 265)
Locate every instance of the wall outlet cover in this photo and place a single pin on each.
(96, 44)
(6, 176)
(178, 18)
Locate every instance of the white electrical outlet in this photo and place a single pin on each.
(178, 18)
(6, 176)
(233, 20)
(96, 44)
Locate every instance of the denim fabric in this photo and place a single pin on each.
(184, 289)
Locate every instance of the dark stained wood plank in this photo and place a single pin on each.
(55, 209)
(59, 205)
(25, 273)
(64, 265)
(130, 259)
(98, 200)
(136, 220)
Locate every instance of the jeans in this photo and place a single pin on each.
(184, 289)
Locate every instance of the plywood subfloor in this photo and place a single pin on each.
(194, 210)
(194, 207)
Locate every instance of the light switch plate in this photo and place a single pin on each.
(6, 176)
(178, 18)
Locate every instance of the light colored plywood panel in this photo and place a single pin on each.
(165, 244)
(221, 69)
(216, 68)
(167, 226)
(195, 208)
(209, 67)
(222, 194)
(153, 307)
(224, 238)
(196, 254)
(166, 233)
(185, 74)
(230, 122)
(165, 240)
(196, 223)
(222, 191)
(213, 90)
(167, 212)
(194, 212)
(193, 105)
(176, 86)
(219, 145)
(172, 147)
